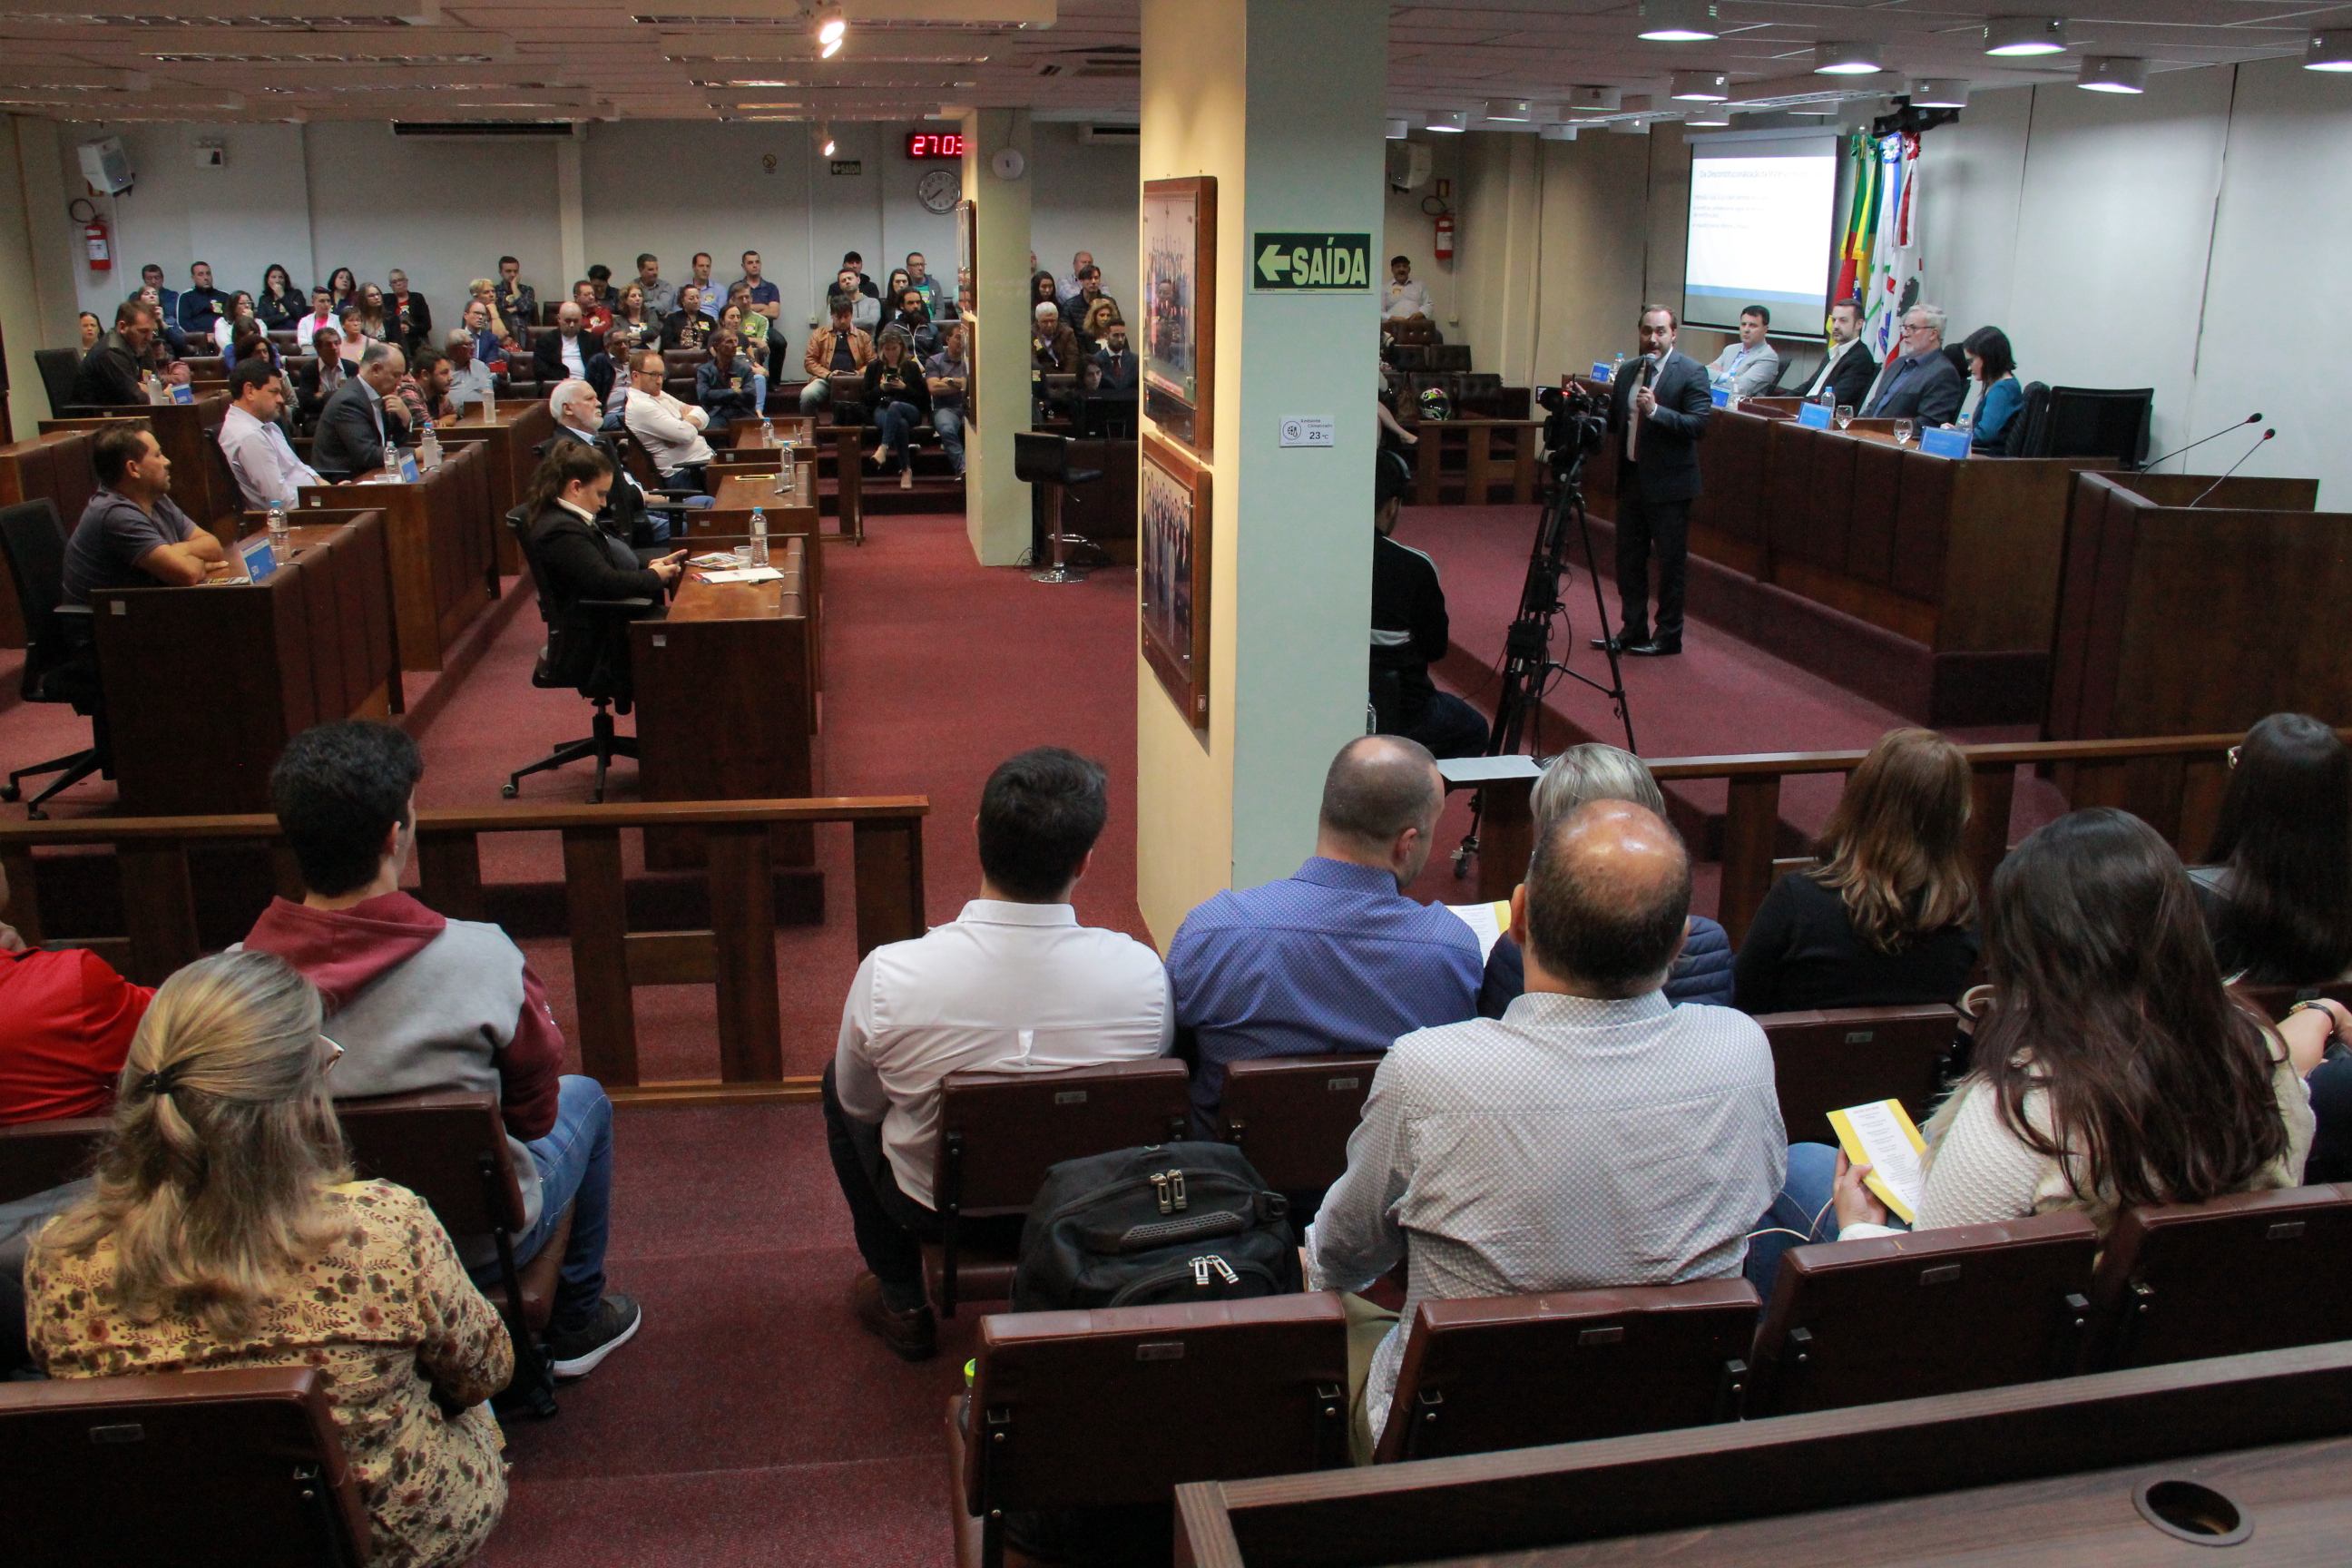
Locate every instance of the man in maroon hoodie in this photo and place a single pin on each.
(418, 1001)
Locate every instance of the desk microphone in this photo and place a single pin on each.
(2241, 463)
(2254, 418)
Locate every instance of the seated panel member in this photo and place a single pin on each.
(1594, 1136)
(1994, 395)
(112, 374)
(1410, 630)
(1749, 366)
(1334, 958)
(360, 428)
(1920, 382)
(1012, 985)
(1846, 374)
(267, 472)
(132, 534)
(579, 417)
(581, 559)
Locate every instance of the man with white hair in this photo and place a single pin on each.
(1920, 382)
(471, 380)
(579, 414)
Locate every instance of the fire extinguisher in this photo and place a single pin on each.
(1444, 251)
(94, 241)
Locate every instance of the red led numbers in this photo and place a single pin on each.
(930, 144)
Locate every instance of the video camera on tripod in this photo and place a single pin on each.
(1575, 424)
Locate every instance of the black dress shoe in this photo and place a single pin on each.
(1609, 645)
(1656, 647)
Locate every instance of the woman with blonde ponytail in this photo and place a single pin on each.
(224, 1230)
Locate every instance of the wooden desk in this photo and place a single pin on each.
(728, 524)
(513, 429)
(443, 570)
(311, 643)
(1463, 461)
(743, 435)
(189, 433)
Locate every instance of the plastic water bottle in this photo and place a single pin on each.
(786, 481)
(767, 431)
(428, 450)
(759, 536)
(280, 536)
(1616, 368)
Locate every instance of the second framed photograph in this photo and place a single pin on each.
(1172, 559)
(1179, 292)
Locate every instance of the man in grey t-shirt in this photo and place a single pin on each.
(132, 535)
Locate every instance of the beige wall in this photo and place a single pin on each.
(996, 504)
(36, 284)
(1409, 231)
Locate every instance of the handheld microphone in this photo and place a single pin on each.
(2254, 418)
(2241, 463)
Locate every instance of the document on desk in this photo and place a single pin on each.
(1882, 1137)
(716, 560)
(1486, 922)
(745, 575)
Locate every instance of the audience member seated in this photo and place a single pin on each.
(201, 304)
(352, 331)
(1117, 369)
(600, 282)
(66, 1020)
(1043, 290)
(170, 341)
(851, 287)
(661, 296)
(321, 318)
(1580, 774)
(473, 385)
(252, 342)
(1052, 351)
(316, 382)
(2110, 1069)
(1920, 382)
(898, 400)
(280, 304)
(490, 340)
(417, 1002)
(708, 296)
(1410, 632)
(1080, 302)
(2276, 892)
(408, 318)
(1066, 287)
(132, 534)
(112, 374)
(596, 316)
(1594, 1136)
(947, 373)
(634, 317)
(166, 300)
(375, 323)
(918, 278)
(914, 319)
(1334, 958)
(1885, 916)
(840, 348)
(686, 327)
(727, 385)
(854, 265)
(1747, 366)
(752, 329)
(238, 317)
(1405, 298)
(1014, 984)
(516, 301)
(92, 331)
(224, 1232)
(669, 431)
(608, 373)
(1990, 410)
(1846, 374)
(267, 472)
(625, 514)
(766, 299)
(342, 288)
(360, 428)
(563, 353)
(426, 389)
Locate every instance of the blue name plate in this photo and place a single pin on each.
(407, 468)
(1942, 443)
(1721, 396)
(183, 395)
(1600, 372)
(1813, 415)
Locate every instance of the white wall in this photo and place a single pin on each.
(1083, 199)
(1408, 231)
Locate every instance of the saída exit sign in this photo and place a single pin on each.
(1313, 262)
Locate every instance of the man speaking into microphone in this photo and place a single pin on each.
(1657, 412)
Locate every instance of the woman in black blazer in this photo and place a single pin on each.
(576, 559)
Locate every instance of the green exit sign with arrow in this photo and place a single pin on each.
(1310, 263)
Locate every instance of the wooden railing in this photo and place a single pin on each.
(736, 952)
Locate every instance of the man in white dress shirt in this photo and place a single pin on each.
(1408, 298)
(670, 430)
(266, 469)
(1013, 984)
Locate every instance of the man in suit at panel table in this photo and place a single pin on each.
(359, 428)
(1920, 382)
(1658, 410)
(579, 416)
(1849, 370)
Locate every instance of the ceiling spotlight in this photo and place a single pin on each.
(1556, 133)
(1938, 92)
(1595, 99)
(2329, 51)
(832, 29)
(1845, 60)
(1678, 21)
(1399, 130)
(1513, 109)
(1701, 87)
(2112, 73)
(1451, 120)
(2012, 36)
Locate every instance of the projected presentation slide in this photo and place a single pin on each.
(1761, 223)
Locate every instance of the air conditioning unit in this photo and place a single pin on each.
(1114, 135)
(1408, 165)
(106, 165)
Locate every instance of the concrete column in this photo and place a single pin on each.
(572, 226)
(996, 505)
(1283, 102)
(40, 252)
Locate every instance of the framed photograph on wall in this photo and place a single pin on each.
(1180, 307)
(1172, 559)
(967, 216)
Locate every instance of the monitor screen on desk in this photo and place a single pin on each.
(260, 560)
(1108, 416)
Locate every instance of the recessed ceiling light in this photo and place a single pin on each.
(2014, 36)
(1449, 121)
(1938, 92)
(1595, 99)
(1507, 109)
(1701, 87)
(2112, 73)
(1713, 115)
(2329, 51)
(1398, 131)
(1845, 58)
(1678, 21)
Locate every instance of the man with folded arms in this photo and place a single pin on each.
(670, 431)
(267, 472)
(132, 534)
(1594, 1136)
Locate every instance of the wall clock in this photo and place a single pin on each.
(939, 190)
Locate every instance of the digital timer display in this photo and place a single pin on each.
(934, 144)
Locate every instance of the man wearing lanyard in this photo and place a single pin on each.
(1748, 367)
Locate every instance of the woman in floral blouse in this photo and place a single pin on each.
(225, 1231)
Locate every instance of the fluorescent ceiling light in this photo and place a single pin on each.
(1453, 120)
(2329, 51)
(1398, 131)
(1846, 59)
(2112, 73)
(1938, 92)
(1713, 115)
(1511, 109)
(1595, 99)
(1630, 127)
(832, 29)
(2014, 36)
(1701, 87)
(1678, 21)
(1556, 133)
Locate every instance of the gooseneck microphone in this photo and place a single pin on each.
(2254, 418)
(2241, 463)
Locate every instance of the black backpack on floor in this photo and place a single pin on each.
(1139, 1227)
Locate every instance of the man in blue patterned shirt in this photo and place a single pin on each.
(1335, 958)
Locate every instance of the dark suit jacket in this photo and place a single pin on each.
(1850, 383)
(1118, 371)
(347, 442)
(547, 355)
(574, 562)
(625, 513)
(308, 399)
(418, 327)
(1930, 392)
(1668, 465)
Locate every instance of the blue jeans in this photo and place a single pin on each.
(815, 394)
(1805, 1212)
(896, 423)
(575, 1167)
(948, 423)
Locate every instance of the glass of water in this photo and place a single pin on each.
(1844, 415)
(1902, 432)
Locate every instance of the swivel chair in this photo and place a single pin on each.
(58, 368)
(60, 658)
(604, 680)
(1042, 462)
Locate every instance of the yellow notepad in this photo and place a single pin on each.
(1882, 1137)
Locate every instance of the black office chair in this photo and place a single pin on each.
(2029, 427)
(668, 500)
(2099, 422)
(59, 367)
(1042, 461)
(596, 666)
(60, 658)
